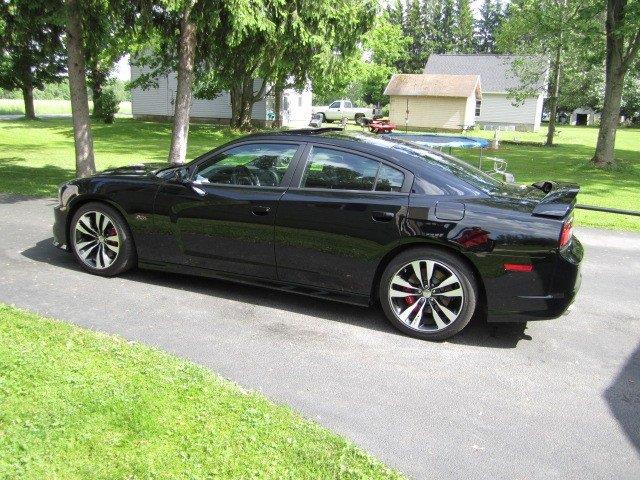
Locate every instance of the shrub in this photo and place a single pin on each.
(106, 106)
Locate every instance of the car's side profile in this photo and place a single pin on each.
(354, 218)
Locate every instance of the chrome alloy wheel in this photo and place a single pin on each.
(96, 240)
(426, 295)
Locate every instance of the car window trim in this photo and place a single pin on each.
(286, 178)
(296, 182)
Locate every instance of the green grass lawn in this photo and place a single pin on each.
(79, 404)
(49, 107)
(36, 156)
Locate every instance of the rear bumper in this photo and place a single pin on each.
(60, 239)
(564, 287)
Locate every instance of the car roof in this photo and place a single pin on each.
(377, 145)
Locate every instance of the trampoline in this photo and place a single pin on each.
(441, 141)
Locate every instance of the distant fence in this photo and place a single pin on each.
(609, 210)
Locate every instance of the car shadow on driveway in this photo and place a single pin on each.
(477, 333)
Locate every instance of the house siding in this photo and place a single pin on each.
(159, 101)
(429, 112)
(497, 109)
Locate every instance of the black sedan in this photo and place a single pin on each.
(350, 217)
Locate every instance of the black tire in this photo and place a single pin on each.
(123, 260)
(455, 265)
(359, 119)
(323, 119)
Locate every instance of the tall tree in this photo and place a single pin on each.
(548, 28)
(284, 44)
(31, 47)
(108, 27)
(622, 46)
(180, 132)
(491, 16)
(414, 28)
(85, 162)
(463, 36)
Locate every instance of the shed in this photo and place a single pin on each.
(433, 101)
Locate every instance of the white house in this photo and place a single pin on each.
(498, 77)
(433, 101)
(158, 103)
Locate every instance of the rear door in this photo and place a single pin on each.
(222, 217)
(342, 213)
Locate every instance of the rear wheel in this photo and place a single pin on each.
(359, 119)
(101, 241)
(428, 293)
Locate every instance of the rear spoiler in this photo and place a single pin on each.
(559, 200)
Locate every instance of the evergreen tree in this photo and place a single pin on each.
(464, 41)
(447, 28)
(414, 29)
(486, 27)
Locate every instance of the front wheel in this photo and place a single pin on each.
(101, 241)
(428, 293)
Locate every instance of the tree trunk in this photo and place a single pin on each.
(277, 106)
(614, 81)
(180, 134)
(242, 100)
(27, 95)
(609, 119)
(85, 162)
(554, 90)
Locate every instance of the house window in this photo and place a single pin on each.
(300, 101)
(478, 105)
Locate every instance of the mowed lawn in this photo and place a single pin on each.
(617, 187)
(49, 107)
(36, 156)
(78, 404)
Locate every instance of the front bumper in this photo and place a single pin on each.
(556, 300)
(60, 230)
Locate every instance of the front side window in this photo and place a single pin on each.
(335, 105)
(253, 164)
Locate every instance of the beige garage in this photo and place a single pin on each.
(434, 101)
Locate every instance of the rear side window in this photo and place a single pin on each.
(389, 179)
(339, 170)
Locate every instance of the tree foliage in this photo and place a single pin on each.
(32, 52)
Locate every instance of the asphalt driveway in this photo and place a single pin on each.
(554, 399)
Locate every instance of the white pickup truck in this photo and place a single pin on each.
(344, 109)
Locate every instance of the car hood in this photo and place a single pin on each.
(138, 170)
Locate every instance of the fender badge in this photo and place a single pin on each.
(141, 216)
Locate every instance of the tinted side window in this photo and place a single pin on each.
(348, 105)
(335, 105)
(253, 164)
(334, 169)
(389, 179)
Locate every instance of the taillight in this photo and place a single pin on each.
(566, 233)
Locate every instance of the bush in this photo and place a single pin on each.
(106, 106)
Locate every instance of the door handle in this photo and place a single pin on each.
(380, 216)
(260, 210)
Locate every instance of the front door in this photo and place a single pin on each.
(222, 218)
